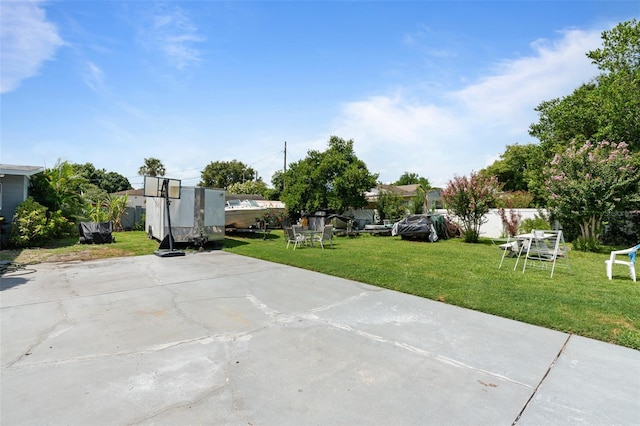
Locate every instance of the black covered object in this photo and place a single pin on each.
(419, 227)
(95, 232)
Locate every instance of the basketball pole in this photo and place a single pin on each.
(172, 252)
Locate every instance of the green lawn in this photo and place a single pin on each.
(582, 301)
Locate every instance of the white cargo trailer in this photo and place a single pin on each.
(197, 217)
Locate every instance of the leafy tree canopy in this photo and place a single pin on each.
(334, 179)
(248, 187)
(151, 167)
(409, 178)
(109, 182)
(588, 181)
(277, 186)
(606, 108)
(59, 188)
(222, 174)
(391, 206)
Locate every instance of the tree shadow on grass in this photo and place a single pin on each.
(231, 243)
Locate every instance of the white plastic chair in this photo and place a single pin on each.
(631, 252)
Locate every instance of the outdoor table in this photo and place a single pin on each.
(309, 235)
(521, 244)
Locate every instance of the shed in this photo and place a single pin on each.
(14, 189)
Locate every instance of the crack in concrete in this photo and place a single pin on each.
(196, 401)
(311, 316)
(151, 349)
(535, 391)
(51, 331)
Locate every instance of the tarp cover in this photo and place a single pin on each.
(416, 226)
(95, 232)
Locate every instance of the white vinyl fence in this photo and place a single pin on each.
(494, 227)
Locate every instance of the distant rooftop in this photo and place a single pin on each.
(13, 169)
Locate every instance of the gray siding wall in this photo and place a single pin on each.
(14, 191)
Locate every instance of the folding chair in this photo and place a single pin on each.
(546, 247)
(327, 235)
(509, 247)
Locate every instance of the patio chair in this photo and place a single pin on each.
(546, 247)
(293, 238)
(327, 235)
(631, 252)
(512, 246)
(298, 232)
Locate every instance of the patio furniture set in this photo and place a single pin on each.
(298, 236)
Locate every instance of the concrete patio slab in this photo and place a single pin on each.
(217, 338)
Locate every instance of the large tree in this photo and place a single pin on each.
(619, 59)
(606, 108)
(248, 187)
(410, 178)
(335, 179)
(222, 174)
(277, 186)
(589, 181)
(110, 182)
(519, 170)
(151, 167)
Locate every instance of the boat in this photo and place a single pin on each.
(243, 214)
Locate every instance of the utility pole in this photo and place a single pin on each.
(285, 156)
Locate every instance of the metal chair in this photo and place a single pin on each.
(327, 235)
(294, 238)
(631, 252)
(546, 247)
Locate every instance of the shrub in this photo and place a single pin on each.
(510, 221)
(33, 226)
(469, 199)
(390, 206)
(587, 244)
(539, 221)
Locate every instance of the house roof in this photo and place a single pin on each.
(404, 190)
(17, 170)
(131, 192)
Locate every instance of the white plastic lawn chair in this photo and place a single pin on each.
(631, 252)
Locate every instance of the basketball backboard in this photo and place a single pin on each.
(153, 187)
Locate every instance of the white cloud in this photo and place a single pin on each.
(554, 70)
(174, 34)
(27, 40)
(465, 129)
(94, 78)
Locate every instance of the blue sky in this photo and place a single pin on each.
(435, 88)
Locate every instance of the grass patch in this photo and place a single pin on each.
(134, 243)
(582, 301)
